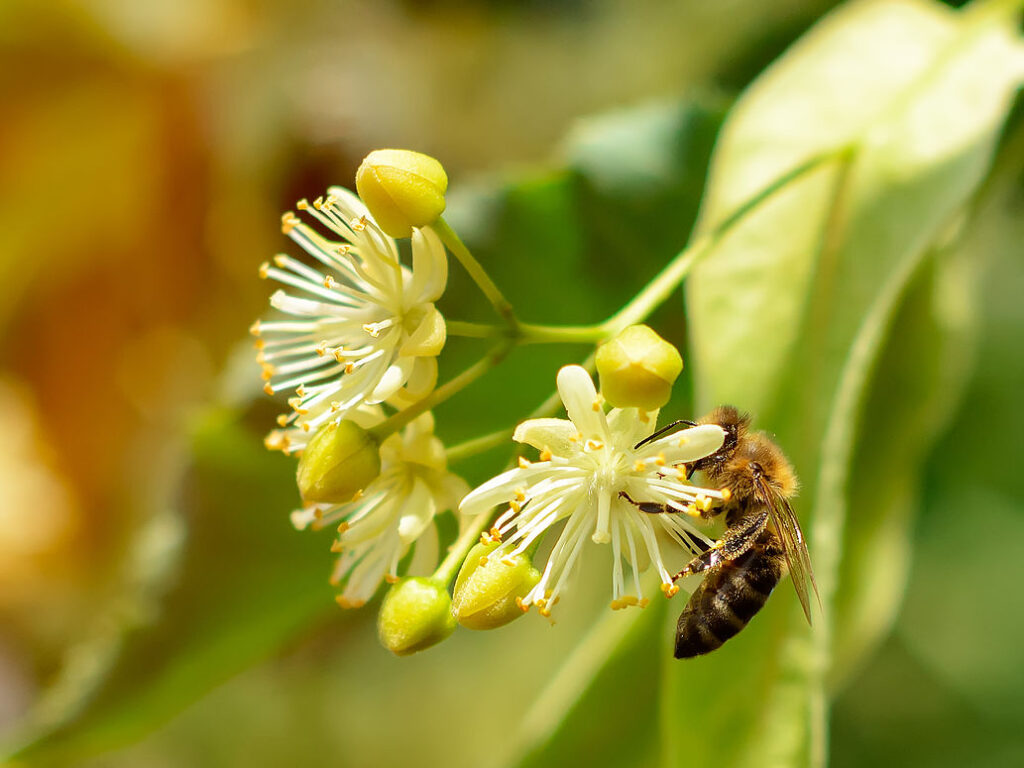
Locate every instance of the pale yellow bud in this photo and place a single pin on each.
(402, 189)
(638, 368)
(416, 614)
(340, 460)
(486, 596)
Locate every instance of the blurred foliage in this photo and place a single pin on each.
(844, 311)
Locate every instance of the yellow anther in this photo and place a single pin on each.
(545, 612)
(390, 579)
(254, 329)
(507, 560)
(335, 406)
(660, 460)
(268, 371)
(359, 224)
(545, 455)
(329, 282)
(321, 349)
(318, 203)
(644, 603)
(524, 607)
(598, 402)
(339, 354)
(337, 547)
(264, 270)
(520, 495)
(515, 506)
(483, 561)
(484, 539)
(349, 367)
(280, 260)
(523, 462)
(302, 205)
(343, 526)
(282, 420)
(706, 503)
(594, 445)
(495, 534)
(305, 426)
(683, 440)
(329, 201)
(639, 466)
(268, 389)
(288, 222)
(726, 494)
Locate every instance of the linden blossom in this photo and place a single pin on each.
(585, 463)
(367, 329)
(379, 525)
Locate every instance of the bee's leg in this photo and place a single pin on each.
(736, 540)
(650, 507)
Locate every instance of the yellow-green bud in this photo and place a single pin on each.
(402, 189)
(416, 614)
(340, 460)
(486, 595)
(638, 369)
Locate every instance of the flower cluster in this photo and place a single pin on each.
(587, 463)
(362, 330)
(354, 342)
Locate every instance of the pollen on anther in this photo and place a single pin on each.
(302, 205)
(268, 371)
(545, 455)
(288, 222)
(726, 494)
(390, 578)
(343, 526)
(520, 494)
(264, 270)
(660, 460)
(508, 561)
(282, 420)
(598, 401)
(524, 607)
(268, 389)
(524, 463)
(669, 590)
(515, 506)
(359, 224)
(639, 465)
(254, 329)
(329, 282)
(349, 367)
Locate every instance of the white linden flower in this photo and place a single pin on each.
(377, 528)
(364, 330)
(585, 464)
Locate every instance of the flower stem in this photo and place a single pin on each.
(668, 280)
(476, 445)
(452, 562)
(529, 333)
(476, 271)
(445, 391)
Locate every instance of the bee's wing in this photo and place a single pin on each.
(797, 558)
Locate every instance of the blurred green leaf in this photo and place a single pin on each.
(791, 312)
(246, 583)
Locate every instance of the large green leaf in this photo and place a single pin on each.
(791, 312)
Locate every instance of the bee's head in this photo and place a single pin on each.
(735, 425)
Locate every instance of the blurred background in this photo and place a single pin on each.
(147, 151)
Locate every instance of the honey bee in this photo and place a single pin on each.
(761, 542)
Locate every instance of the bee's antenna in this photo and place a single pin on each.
(663, 430)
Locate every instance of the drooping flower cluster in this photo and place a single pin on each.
(358, 332)
(586, 465)
(362, 330)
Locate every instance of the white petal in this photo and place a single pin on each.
(428, 337)
(557, 435)
(687, 445)
(424, 558)
(576, 389)
(429, 266)
(416, 512)
(394, 377)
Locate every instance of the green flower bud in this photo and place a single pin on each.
(487, 595)
(340, 460)
(416, 614)
(402, 189)
(638, 368)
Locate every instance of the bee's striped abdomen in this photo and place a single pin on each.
(729, 597)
